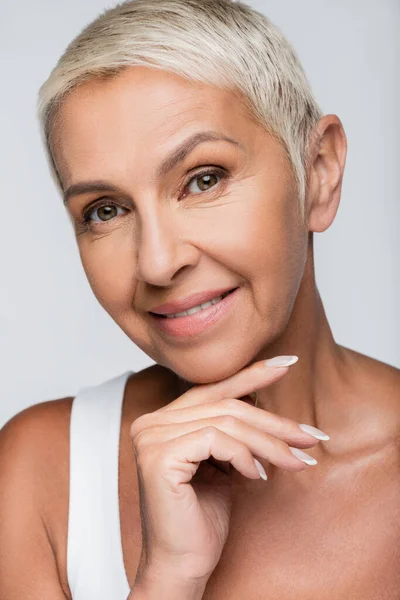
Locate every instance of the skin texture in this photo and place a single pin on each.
(325, 524)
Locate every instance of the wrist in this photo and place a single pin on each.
(154, 587)
(167, 590)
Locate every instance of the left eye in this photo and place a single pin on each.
(207, 178)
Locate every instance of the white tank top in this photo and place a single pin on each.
(95, 565)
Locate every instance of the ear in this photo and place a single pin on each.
(327, 159)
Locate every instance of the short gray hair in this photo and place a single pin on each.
(219, 42)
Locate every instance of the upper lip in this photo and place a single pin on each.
(188, 302)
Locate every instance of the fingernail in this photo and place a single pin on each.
(320, 435)
(260, 469)
(309, 460)
(281, 361)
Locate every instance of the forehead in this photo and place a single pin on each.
(142, 111)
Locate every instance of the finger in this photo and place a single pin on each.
(279, 426)
(247, 380)
(177, 460)
(260, 444)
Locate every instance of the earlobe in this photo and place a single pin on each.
(328, 157)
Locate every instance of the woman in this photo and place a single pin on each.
(195, 165)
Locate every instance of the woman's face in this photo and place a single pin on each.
(159, 237)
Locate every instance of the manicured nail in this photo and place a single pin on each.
(309, 460)
(320, 435)
(260, 469)
(281, 361)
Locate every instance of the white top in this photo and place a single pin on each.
(95, 565)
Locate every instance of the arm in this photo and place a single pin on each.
(28, 569)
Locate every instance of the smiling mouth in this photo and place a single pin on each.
(166, 317)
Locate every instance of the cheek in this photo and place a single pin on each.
(270, 251)
(109, 265)
(260, 234)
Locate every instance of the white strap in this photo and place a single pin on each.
(95, 564)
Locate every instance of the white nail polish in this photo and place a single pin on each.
(260, 469)
(317, 433)
(309, 460)
(281, 361)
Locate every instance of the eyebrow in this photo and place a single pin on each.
(176, 157)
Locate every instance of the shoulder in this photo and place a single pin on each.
(34, 449)
(375, 375)
(50, 417)
(376, 388)
(34, 453)
(36, 432)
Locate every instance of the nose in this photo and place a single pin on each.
(163, 249)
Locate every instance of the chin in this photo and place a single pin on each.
(208, 368)
(215, 359)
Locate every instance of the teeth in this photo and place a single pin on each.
(195, 309)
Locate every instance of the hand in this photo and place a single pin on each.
(185, 501)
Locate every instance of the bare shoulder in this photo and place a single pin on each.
(377, 391)
(34, 465)
(375, 374)
(35, 442)
(33, 420)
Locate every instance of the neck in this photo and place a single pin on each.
(308, 391)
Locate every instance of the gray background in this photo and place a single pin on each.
(54, 336)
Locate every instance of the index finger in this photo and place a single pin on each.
(253, 377)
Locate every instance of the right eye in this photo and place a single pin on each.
(108, 212)
(105, 211)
